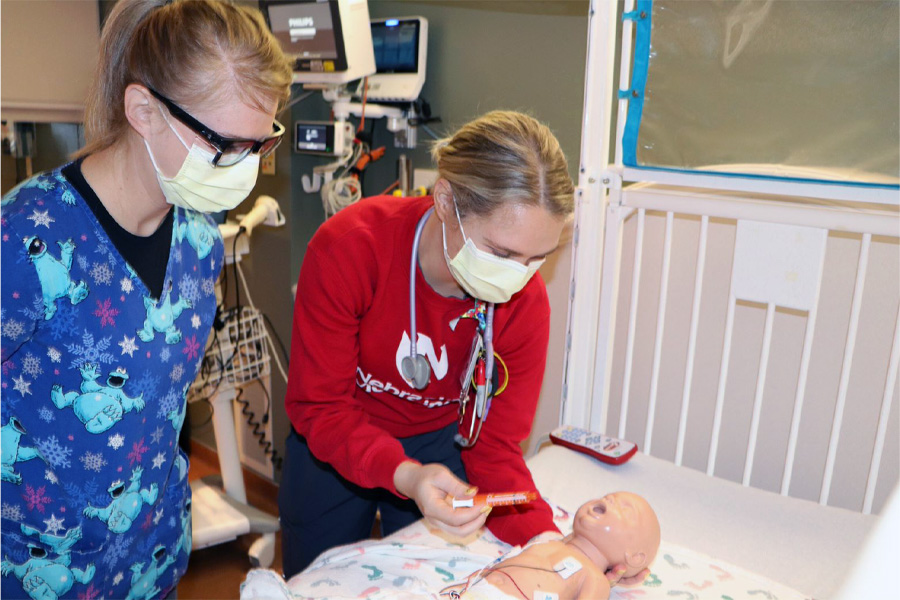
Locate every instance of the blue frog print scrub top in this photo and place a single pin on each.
(95, 369)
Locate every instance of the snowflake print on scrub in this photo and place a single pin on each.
(12, 329)
(116, 441)
(31, 364)
(189, 288)
(13, 512)
(35, 498)
(41, 218)
(88, 468)
(54, 453)
(90, 351)
(101, 274)
(63, 323)
(106, 313)
(93, 461)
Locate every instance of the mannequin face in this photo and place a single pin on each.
(622, 527)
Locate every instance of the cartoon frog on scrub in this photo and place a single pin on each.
(56, 282)
(99, 407)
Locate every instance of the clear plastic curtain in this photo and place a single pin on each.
(804, 89)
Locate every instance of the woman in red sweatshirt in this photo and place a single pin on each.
(364, 437)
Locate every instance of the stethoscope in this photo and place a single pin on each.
(417, 371)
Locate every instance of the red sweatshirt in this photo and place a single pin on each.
(345, 393)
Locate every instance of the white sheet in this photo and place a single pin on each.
(798, 543)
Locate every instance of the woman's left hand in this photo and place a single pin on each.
(429, 486)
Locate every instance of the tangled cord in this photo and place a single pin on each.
(215, 365)
(346, 188)
(257, 427)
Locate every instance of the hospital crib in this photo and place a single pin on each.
(739, 322)
(753, 338)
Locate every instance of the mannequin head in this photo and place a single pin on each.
(621, 529)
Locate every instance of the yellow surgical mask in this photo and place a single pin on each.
(483, 275)
(200, 186)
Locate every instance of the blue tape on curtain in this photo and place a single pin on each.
(643, 28)
(859, 184)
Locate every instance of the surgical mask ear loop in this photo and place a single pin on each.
(415, 366)
(175, 131)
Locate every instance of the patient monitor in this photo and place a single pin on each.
(329, 40)
(401, 47)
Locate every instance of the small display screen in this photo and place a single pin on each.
(396, 45)
(305, 30)
(314, 137)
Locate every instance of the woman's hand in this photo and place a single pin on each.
(430, 486)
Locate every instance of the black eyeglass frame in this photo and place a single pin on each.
(215, 139)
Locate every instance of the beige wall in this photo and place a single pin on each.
(48, 54)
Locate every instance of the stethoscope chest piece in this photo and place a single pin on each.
(416, 370)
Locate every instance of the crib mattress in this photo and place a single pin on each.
(798, 543)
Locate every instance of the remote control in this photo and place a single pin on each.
(602, 447)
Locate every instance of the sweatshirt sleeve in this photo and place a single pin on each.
(333, 293)
(495, 463)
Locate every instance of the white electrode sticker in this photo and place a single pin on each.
(567, 567)
(541, 595)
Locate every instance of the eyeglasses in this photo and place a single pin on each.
(229, 151)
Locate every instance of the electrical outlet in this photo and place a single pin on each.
(267, 164)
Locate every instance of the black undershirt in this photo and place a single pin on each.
(149, 255)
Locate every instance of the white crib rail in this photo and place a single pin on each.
(656, 202)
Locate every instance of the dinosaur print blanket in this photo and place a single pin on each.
(415, 564)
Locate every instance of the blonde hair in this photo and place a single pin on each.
(501, 157)
(194, 52)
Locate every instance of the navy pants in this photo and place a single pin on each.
(319, 509)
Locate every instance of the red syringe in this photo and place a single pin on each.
(500, 499)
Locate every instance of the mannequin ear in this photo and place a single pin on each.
(636, 560)
(140, 109)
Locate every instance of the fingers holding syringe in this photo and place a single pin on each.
(433, 486)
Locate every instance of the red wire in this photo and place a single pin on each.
(512, 580)
(362, 119)
(388, 189)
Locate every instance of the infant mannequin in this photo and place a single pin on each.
(618, 529)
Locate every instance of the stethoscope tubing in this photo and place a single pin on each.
(488, 335)
(412, 281)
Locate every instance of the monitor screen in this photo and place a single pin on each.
(314, 137)
(310, 32)
(396, 44)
